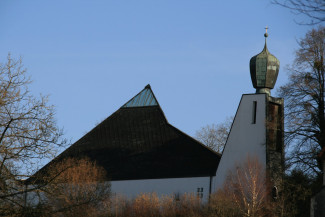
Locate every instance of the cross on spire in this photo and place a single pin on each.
(265, 35)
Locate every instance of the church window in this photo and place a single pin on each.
(254, 112)
(199, 192)
(177, 196)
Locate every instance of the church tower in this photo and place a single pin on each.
(257, 129)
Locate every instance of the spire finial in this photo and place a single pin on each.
(265, 35)
(264, 69)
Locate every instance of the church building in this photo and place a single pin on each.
(142, 152)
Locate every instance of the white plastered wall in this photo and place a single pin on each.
(245, 138)
(132, 188)
(180, 186)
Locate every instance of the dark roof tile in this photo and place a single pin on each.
(139, 143)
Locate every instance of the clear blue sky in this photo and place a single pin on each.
(93, 56)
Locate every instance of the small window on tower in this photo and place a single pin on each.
(275, 192)
(254, 112)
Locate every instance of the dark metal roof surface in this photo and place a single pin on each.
(139, 143)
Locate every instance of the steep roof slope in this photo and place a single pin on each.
(137, 142)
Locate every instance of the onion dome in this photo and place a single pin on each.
(264, 69)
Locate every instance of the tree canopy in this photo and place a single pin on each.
(304, 103)
(215, 136)
(28, 131)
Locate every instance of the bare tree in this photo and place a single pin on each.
(215, 136)
(28, 130)
(304, 97)
(76, 187)
(248, 189)
(313, 9)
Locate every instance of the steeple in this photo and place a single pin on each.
(264, 69)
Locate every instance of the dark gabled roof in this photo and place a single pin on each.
(137, 142)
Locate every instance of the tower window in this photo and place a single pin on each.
(254, 112)
(275, 192)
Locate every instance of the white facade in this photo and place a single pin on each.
(172, 186)
(246, 138)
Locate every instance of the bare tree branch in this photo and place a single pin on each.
(215, 136)
(28, 131)
(313, 9)
(305, 104)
